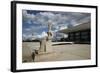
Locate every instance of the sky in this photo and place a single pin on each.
(34, 23)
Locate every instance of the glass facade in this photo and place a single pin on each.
(80, 36)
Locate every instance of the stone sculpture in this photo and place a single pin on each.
(46, 42)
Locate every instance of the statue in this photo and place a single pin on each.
(46, 42)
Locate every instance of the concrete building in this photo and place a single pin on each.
(80, 33)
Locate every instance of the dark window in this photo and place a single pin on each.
(84, 36)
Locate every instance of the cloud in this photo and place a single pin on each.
(27, 29)
(27, 16)
(38, 21)
(35, 35)
(26, 36)
(42, 35)
(42, 18)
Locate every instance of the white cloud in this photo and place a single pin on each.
(47, 14)
(63, 27)
(27, 29)
(42, 35)
(57, 18)
(27, 16)
(35, 35)
(43, 17)
(26, 36)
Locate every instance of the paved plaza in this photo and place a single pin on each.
(60, 52)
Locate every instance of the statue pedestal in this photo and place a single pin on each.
(45, 47)
(49, 46)
(42, 45)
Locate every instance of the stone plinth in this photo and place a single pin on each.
(45, 46)
(42, 45)
(49, 46)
